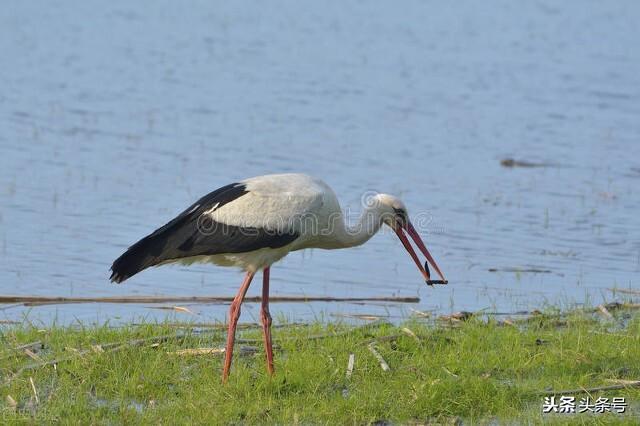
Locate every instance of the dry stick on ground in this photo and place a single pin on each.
(601, 309)
(243, 350)
(623, 381)
(617, 305)
(446, 370)
(381, 339)
(352, 360)
(173, 308)
(30, 346)
(630, 384)
(198, 351)
(345, 389)
(422, 314)
(20, 349)
(138, 342)
(196, 299)
(32, 355)
(11, 403)
(383, 363)
(359, 316)
(41, 364)
(410, 333)
(604, 309)
(35, 393)
(625, 290)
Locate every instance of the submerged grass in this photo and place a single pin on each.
(474, 371)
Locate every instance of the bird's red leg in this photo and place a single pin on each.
(234, 314)
(265, 316)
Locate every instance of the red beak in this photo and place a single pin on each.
(400, 232)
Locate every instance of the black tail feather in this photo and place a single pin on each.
(140, 256)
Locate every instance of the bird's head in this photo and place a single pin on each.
(393, 213)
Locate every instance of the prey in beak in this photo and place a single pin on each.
(402, 229)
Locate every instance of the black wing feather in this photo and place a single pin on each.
(191, 234)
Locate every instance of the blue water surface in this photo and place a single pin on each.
(115, 116)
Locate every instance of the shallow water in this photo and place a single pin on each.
(117, 115)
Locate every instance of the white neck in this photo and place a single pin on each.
(350, 236)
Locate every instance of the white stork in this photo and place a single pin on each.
(256, 222)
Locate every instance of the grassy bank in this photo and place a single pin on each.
(474, 371)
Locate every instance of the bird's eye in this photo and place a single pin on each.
(401, 216)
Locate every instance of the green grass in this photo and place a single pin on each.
(476, 372)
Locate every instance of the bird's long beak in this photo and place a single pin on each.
(409, 229)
